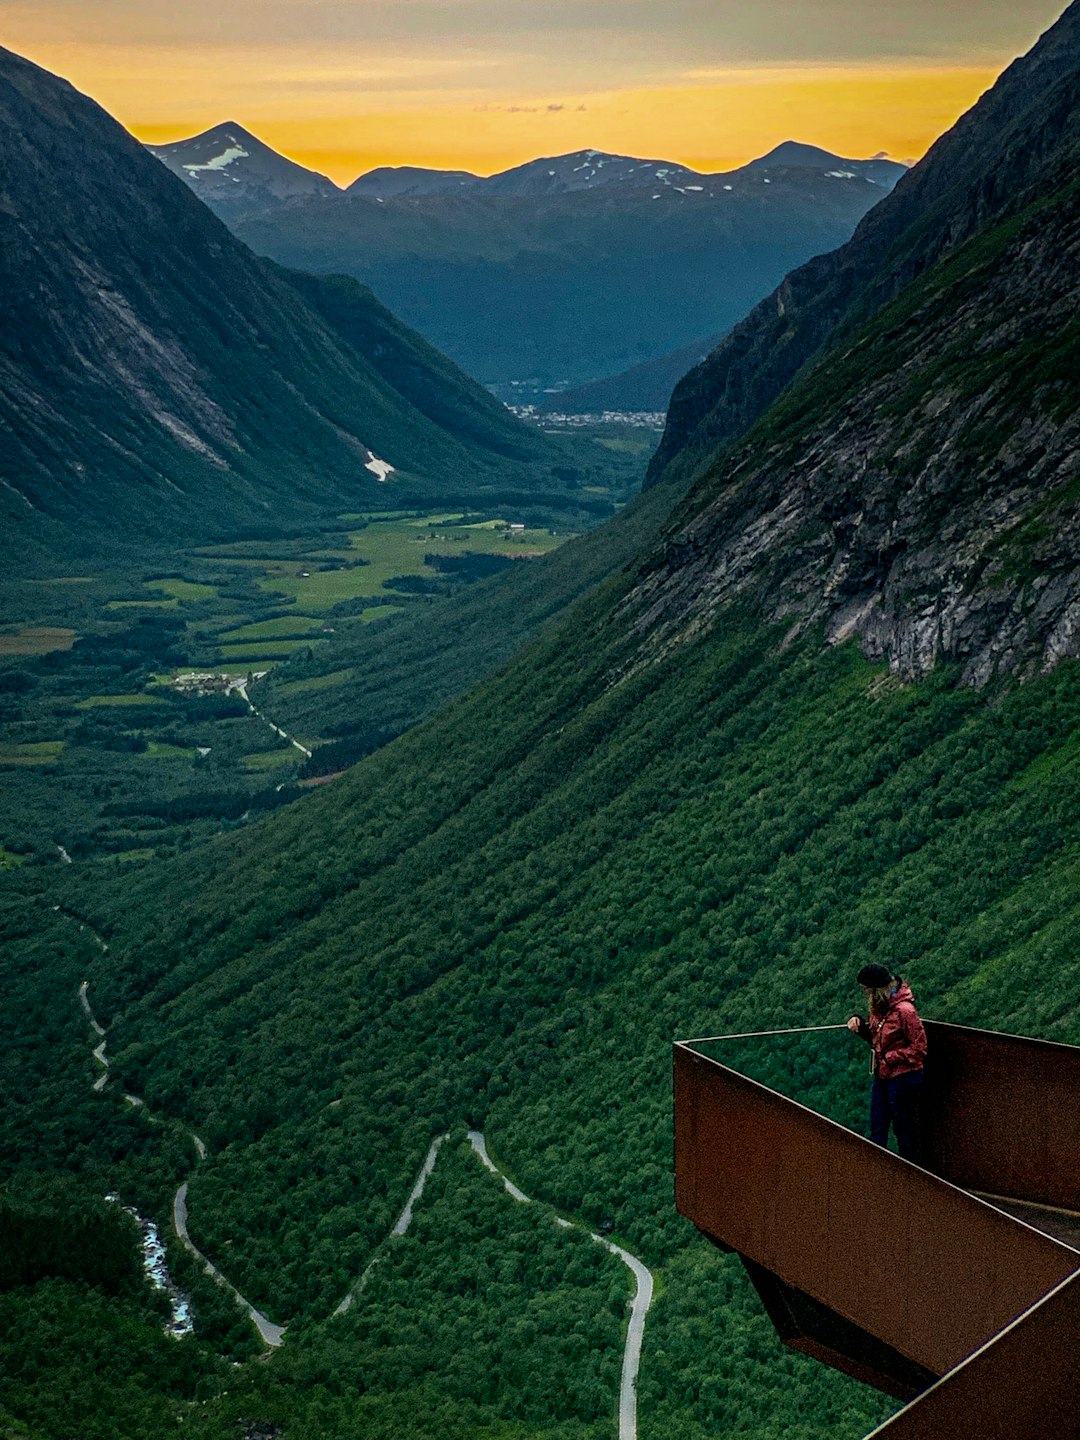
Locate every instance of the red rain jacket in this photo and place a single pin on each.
(897, 1036)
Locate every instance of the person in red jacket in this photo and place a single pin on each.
(898, 1039)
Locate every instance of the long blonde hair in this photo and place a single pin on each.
(877, 999)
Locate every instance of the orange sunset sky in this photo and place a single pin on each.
(345, 85)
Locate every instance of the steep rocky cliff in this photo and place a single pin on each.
(919, 487)
(1017, 142)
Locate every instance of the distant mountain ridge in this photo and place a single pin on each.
(159, 382)
(238, 174)
(577, 284)
(792, 153)
(553, 272)
(235, 172)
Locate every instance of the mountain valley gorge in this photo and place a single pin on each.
(602, 767)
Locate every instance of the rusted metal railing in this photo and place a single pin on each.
(884, 1269)
(1002, 1114)
(1021, 1385)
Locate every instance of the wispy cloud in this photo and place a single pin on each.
(557, 109)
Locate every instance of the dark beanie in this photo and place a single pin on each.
(874, 976)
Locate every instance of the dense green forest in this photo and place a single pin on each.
(505, 917)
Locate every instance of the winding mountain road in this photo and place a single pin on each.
(639, 1306)
(273, 1334)
(404, 1220)
(240, 686)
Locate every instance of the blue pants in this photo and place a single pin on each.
(896, 1103)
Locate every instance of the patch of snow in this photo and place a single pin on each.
(767, 180)
(728, 187)
(695, 187)
(841, 174)
(219, 162)
(381, 469)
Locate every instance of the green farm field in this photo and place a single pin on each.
(40, 752)
(396, 546)
(95, 729)
(97, 702)
(36, 640)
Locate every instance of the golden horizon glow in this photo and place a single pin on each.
(708, 127)
(343, 114)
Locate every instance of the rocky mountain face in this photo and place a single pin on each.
(1015, 143)
(157, 380)
(236, 174)
(919, 485)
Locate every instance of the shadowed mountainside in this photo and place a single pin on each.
(573, 284)
(158, 382)
(1017, 142)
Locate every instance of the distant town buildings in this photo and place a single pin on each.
(205, 683)
(556, 420)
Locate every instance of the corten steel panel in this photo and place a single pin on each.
(813, 1329)
(925, 1267)
(1002, 1114)
(1022, 1385)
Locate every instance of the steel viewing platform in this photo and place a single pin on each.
(975, 1317)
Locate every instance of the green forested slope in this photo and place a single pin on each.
(507, 915)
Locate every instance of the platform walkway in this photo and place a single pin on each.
(976, 1318)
